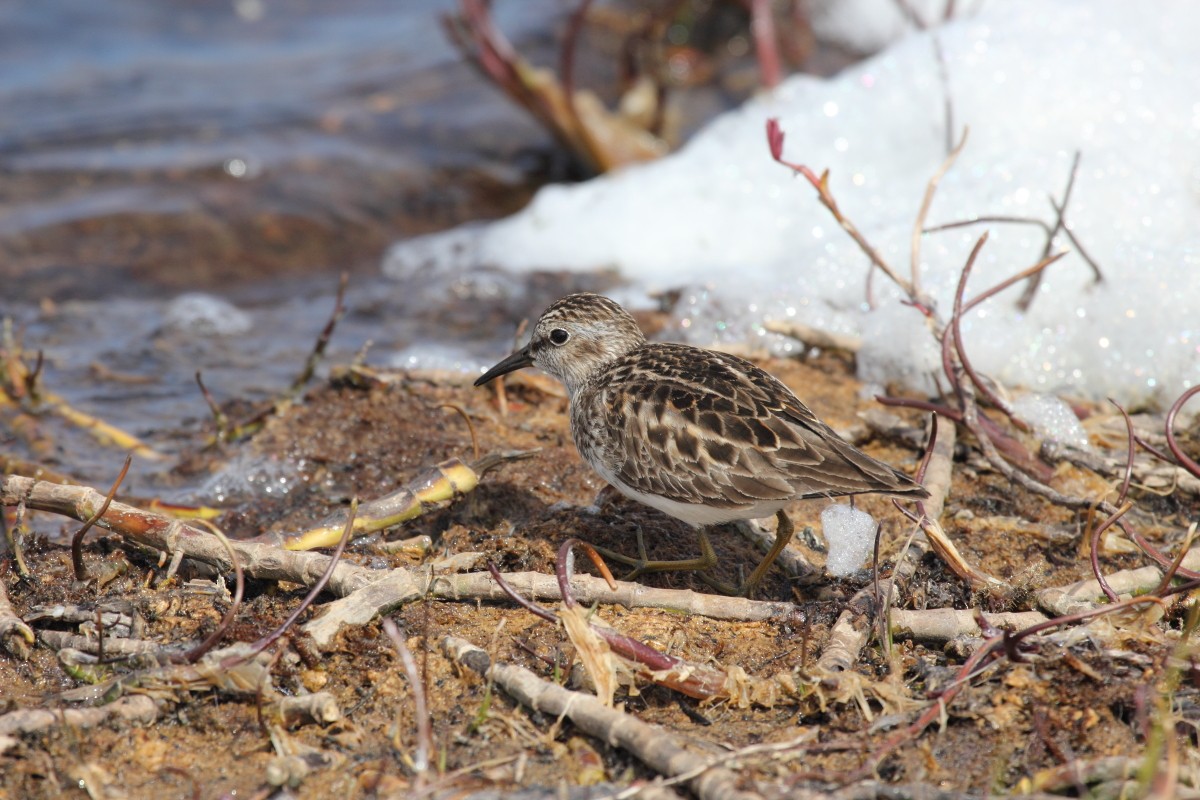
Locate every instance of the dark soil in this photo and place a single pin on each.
(1098, 697)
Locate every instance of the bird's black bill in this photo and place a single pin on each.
(516, 361)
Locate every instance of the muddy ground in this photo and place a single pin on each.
(1099, 701)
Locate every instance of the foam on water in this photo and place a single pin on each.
(1035, 82)
(202, 314)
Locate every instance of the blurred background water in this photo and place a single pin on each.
(183, 181)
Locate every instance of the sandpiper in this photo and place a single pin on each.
(705, 437)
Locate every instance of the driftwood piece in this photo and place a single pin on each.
(15, 636)
(113, 645)
(654, 746)
(318, 707)
(138, 709)
(944, 624)
(400, 586)
(258, 560)
(1085, 595)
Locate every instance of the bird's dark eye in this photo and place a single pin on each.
(559, 337)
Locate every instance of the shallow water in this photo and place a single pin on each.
(249, 152)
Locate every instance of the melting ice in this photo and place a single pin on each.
(1036, 82)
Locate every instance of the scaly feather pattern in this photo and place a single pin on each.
(703, 436)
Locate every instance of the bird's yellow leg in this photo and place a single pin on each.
(783, 535)
(642, 564)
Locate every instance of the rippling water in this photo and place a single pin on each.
(251, 151)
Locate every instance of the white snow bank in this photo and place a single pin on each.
(1035, 81)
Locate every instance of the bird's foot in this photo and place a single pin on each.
(748, 587)
(643, 565)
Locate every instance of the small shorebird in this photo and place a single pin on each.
(703, 436)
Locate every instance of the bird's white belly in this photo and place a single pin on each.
(692, 513)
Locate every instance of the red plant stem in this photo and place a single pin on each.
(1184, 460)
(920, 405)
(318, 587)
(210, 641)
(693, 680)
(566, 61)
(1020, 276)
(1094, 556)
(956, 327)
(565, 565)
(77, 539)
(1132, 446)
(762, 28)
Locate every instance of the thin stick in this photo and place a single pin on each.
(219, 418)
(210, 641)
(775, 138)
(566, 66)
(1169, 575)
(961, 350)
(989, 219)
(318, 351)
(762, 30)
(77, 539)
(1184, 460)
(565, 566)
(655, 747)
(1020, 276)
(417, 686)
(13, 538)
(266, 641)
(1031, 288)
(1132, 447)
(930, 191)
(470, 425)
(1094, 556)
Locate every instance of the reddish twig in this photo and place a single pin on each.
(322, 343)
(961, 351)
(1031, 288)
(564, 565)
(266, 641)
(566, 63)
(918, 476)
(1127, 478)
(693, 680)
(210, 641)
(1094, 556)
(775, 138)
(1181, 457)
(1036, 269)
(1173, 570)
(219, 419)
(1154, 451)
(766, 47)
(77, 539)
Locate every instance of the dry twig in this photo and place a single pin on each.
(654, 746)
(15, 636)
(259, 561)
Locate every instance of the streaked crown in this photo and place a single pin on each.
(580, 335)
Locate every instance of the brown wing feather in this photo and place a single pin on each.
(710, 428)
